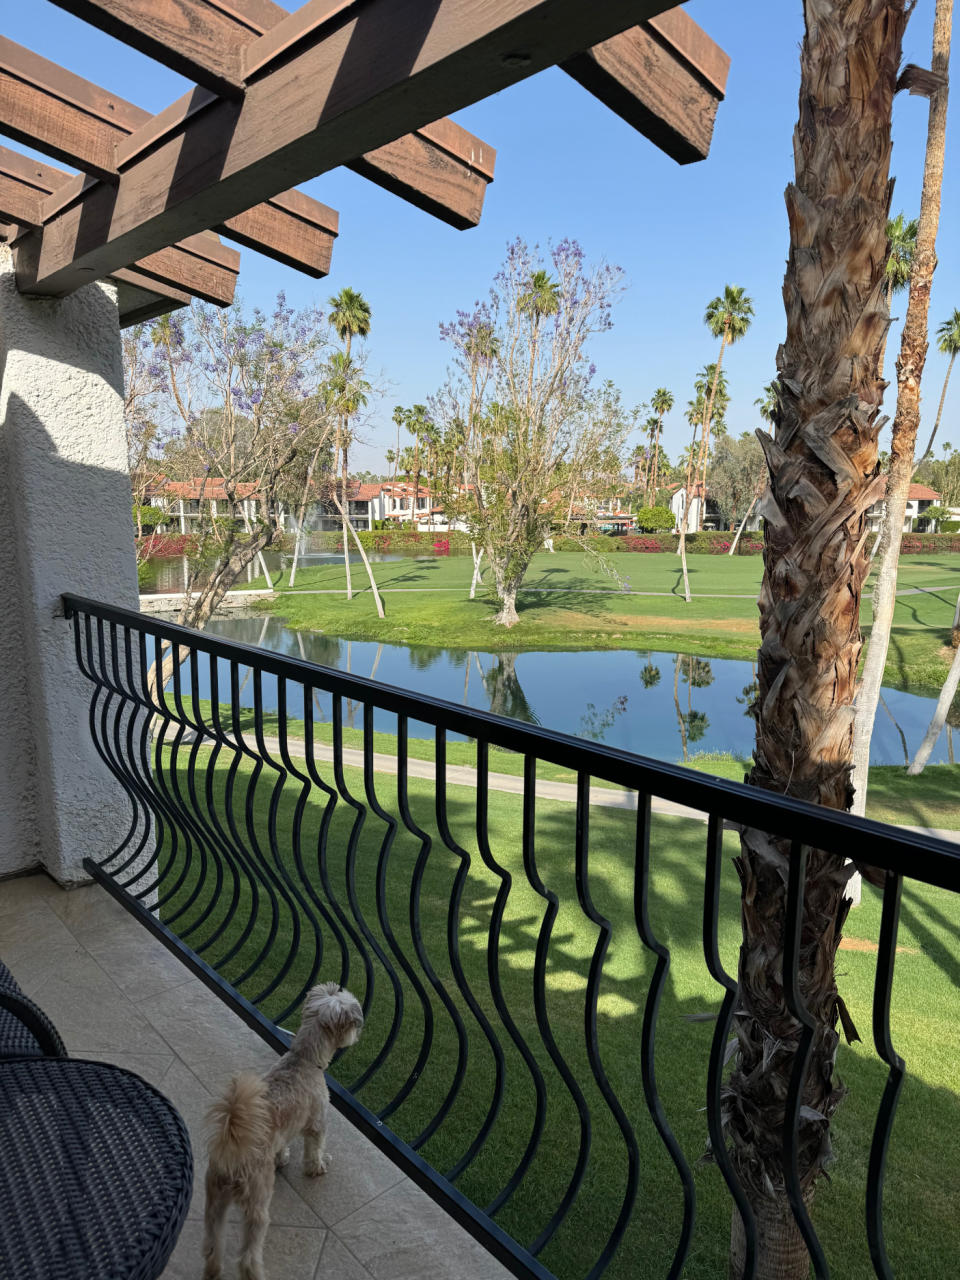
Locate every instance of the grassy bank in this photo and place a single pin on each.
(570, 601)
(373, 866)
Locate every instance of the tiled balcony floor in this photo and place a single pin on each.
(116, 995)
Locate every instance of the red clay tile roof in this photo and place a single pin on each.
(917, 492)
(206, 488)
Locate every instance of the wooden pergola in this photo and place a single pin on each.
(281, 98)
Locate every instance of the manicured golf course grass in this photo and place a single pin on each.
(573, 601)
(285, 822)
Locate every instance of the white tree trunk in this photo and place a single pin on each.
(260, 556)
(743, 525)
(477, 557)
(947, 694)
(363, 556)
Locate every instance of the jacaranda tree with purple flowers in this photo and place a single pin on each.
(245, 392)
(539, 442)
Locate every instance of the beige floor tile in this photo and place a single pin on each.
(338, 1263)
(20, 892)
(358, 1174)
(139, 965)
(89, 912)
(34, 942)
(91, 1014)
(403, 1235)
(291, 1253)
(200, 1028)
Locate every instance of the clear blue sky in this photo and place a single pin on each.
(567, 167)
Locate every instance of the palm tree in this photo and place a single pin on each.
(903, 244)
(906, 421)
(948, 341)
(728, 318)
(767, 403)
(823, 465)
(661, 402)
(349, 315)
(541, 299)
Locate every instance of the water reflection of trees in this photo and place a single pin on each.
(504, 691)
(649, 675)
(696, 673)
(595, 721)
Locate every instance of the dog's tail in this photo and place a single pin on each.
(240, 1125)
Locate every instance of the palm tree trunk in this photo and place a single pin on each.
(656, 460)
(944, 703)
(705, 437)
(343, 505)
(943, 395)
(824, 475)
(906, 423)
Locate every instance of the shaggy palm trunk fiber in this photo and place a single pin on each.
(824, 474)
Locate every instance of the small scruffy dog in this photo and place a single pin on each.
(251, 1125)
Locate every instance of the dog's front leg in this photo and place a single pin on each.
(315, 1159)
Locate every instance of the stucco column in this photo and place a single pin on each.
(65, 525)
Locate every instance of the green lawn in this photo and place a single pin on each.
(587, 607)
(264, 811)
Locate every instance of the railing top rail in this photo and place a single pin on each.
(922, 857)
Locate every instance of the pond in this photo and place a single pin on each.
(666, 705)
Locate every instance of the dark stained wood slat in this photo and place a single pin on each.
(646, 77)
(140, 299)
(337, 90)
(190, 36)
(436, 175)
(80, 123)
(44, 106)
(200, 266)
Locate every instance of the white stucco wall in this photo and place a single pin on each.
(67, 526)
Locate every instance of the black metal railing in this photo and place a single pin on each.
(507, 903)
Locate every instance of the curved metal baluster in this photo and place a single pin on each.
(416, 932)
(188, 819)
(590, 1025)
(721, 1033)
(651, 1010)
(329, 807)
(147, 768)
(351, 875)
(383, 915)
(272, 885)
(493, 951)
(794, 1000)
(540, 1003)
(100, 704)
(110, 745)
(540, 1089)
(178, 835)
(229, 839)
(453, 947)
(122, 769)
(882, 992)
(138, 725)
(283, 871)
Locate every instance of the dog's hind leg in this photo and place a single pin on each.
(214, 1215)
(256, 1220)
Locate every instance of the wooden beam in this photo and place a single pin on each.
(199, 266)
(666, 78)
(80, 123)
(199, 38)
(321, 90)
(140, 299)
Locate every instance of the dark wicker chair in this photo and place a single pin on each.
(25, 1030)
(96, 1169)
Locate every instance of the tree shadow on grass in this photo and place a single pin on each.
(404, 869)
